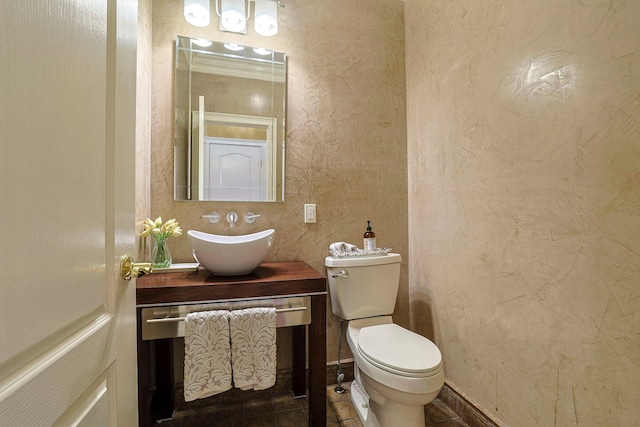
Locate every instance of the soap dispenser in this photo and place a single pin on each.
(369, 238)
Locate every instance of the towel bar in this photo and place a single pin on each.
(180, 319)
(167, 321)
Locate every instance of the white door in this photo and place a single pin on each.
(234, 169)
(67, 128)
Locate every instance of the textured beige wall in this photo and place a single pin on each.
(346, 132)
(524, 203)
(143, 122)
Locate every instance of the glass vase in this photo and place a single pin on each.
(160, 254)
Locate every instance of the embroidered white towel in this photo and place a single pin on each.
(253, 348)
(338, 249)
(207, 354)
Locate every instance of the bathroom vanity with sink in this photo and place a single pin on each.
(296, 290)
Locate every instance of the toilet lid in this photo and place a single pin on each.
(396, 349)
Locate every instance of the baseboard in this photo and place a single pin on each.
(465, 409)
(346, 367)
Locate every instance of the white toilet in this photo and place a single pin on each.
(397, 371)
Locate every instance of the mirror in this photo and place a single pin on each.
(230, 122)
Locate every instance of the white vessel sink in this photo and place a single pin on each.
(230, 255)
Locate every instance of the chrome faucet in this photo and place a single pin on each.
(250, 217)
(232, 217)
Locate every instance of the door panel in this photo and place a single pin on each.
(71, 366)
(96, 408)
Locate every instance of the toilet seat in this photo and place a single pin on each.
(395, 349)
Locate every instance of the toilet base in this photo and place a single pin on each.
(391, 414)
(360, 400)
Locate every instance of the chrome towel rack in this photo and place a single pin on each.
(181, 319)
(167, 321)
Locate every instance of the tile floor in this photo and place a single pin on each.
(284, 411)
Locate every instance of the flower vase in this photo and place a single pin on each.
(160, 255)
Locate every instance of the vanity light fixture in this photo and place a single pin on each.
(197, 12)
(266, 17)
(234, 15)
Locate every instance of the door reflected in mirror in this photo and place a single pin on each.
(230, 122)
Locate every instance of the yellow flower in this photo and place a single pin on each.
(159, 230)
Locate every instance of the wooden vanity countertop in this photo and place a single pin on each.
(269, 279)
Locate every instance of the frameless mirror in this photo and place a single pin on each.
(230, 122)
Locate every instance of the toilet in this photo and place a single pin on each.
(397, 371)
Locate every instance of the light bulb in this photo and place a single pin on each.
(197, 12)
(262, 51)
(233, 16)
(202, 42)
(266, 17)
(234, 47)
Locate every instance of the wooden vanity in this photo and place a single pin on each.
(269, 280)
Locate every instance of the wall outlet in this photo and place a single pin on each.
(309, 213)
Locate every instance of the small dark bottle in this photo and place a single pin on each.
(369, 238)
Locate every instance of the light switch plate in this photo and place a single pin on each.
(309, 213)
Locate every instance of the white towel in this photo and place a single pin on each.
(207, 354)
(343, 249)
(253, 348)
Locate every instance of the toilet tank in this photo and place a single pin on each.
(363, 286)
